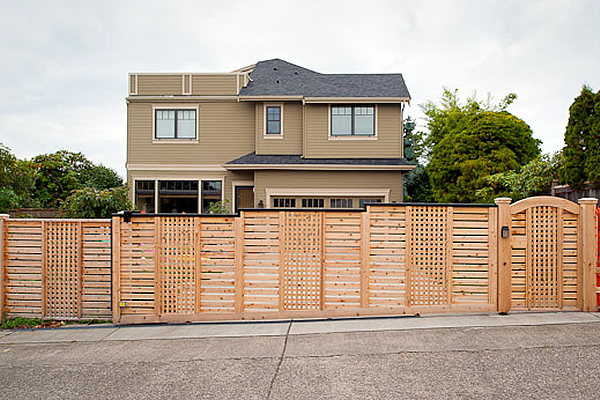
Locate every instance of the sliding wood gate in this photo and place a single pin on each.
(389, 259)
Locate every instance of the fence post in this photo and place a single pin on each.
(3, 218)
(504, 255)
(116, 268)
(589, 250)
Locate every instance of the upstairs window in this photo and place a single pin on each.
(353, 120)
(175, 124)
(273, 126)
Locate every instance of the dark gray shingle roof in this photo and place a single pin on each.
(281, 78)
(253, 159)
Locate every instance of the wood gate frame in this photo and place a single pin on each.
(562, 215)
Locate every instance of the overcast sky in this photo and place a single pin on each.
(64, 64)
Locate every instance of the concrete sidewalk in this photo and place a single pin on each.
(103, 333)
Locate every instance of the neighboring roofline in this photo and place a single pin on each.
(328, 167)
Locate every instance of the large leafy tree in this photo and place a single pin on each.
(582, 140)
(60, 173)
(472, 141)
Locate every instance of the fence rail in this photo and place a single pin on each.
(537, 254)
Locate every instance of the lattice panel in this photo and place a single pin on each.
(63, 269)
(545, 257)
(178, 265)
(427, 254)
(301, 259)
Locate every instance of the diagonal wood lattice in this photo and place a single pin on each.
(63, 272)
(178, 265)
(544, 251)
(301, 260)
(427, 257)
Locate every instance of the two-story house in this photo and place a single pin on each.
(270, 135)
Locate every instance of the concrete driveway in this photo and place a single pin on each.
(528, 355)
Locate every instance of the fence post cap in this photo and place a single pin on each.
(588, 200)
(502, 200)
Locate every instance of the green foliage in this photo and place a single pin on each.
(8, 199)
(60, 173)
(475, 146)
(100, 177)
(34, 323)
(219, 207)
(17, 177)
(450, 116)
(93, 203)
(574, 151)
(534, 178)
(413, 140)
(418, 188)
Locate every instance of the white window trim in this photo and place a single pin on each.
(272, 135)
(175, 107)
(156, 179)
(311, 192)
(352, 137)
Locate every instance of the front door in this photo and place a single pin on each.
(244, 197)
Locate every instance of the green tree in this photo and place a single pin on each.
(579, 140)
(93, 203)
(17, 179)
(450, 116)
(533, 178)
(478, 145)
(60, 173)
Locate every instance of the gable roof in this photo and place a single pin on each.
(280, 78)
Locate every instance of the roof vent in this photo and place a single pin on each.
(277, 81)
(274, 68)
(295, 72)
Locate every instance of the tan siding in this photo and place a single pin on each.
(226, 132)
(328, 180)
(159, 84)
(292, 132)
(319, 145)
(214, 85)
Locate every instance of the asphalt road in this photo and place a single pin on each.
(513, 362)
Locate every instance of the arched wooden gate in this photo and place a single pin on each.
(541, 251)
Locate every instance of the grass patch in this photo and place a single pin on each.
(38, 323)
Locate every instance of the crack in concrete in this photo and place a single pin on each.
(285, 342)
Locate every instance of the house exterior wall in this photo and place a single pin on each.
(225, 132)
(291, 140)
(386, 144)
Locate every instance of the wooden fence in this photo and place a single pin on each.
(55, 268)
(537, 254)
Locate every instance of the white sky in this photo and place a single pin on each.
(64, 64)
